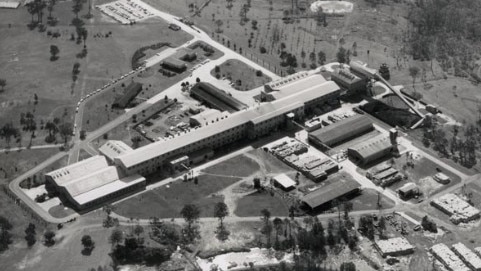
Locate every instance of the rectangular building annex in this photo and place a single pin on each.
(341, 131)
(448, 258)
(458, 209)
(394, 247)
(371, 149)
(216, 98)
(330, 192)
(92, 181)
(467, 256)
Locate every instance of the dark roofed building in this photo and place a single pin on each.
(371, 149)
(132, 90)
(341, 131)
(174, 64)
(330, 192)
(216, 98)
(348, 80)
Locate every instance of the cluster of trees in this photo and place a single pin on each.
(30, 235)
(429, 225)
(445, 30)
(460, 150)
(8, 131)
(132, 249)
(5, 235)
(343, 55)
(88, 244)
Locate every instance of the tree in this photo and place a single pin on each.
(278, 227)
(257, 183)
(267, 228)
(54, 52)
(384, 71)
(5, 235)
(429, 225)
(51, 4)
(321, 57)
(49, 237)
(413, 72)
(138, 230)
(3, 83)
(341, 55)
(191, 214)
(30, 235)
(116, 237)
(221, 211)
(219, 23)
(65, 131)
(88, 244)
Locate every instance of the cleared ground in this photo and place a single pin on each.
(251, 205)
(168, 201)
(239, 166)
(14, 163)
(238, 72)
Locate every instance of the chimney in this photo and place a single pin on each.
(393, 133)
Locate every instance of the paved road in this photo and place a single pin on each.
(38, 147)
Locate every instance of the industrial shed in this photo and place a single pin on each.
(174, 64)
(132, 90)
(216, 98)
(348, 80)
(371, 149)
(330, 192)
(341, 131)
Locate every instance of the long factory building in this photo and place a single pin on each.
(293, 96)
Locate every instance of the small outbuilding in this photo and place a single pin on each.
(408, 190)
(284, 181)
(174, 64)
(441, 178)
(394, 247)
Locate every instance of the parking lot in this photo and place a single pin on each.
(125, 11)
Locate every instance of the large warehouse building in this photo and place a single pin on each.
(92, 181)
(326, 194)
(371, 150)
(341, 131)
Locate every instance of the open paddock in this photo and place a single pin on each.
(167, 201)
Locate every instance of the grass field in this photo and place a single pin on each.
(25, 62)
(234, 70)
(239, 166)
(367, 200)
(252, 204)
(15, 163)
(167, 202)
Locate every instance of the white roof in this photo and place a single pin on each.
(284, 180)
(393, 245)
(108, 188)
(468, 256)
(9, 4)
(209, 115)
(451, 260)
(441, 176)
(456, 206)
(114, 148)
(408, 186)
(256, 114)
(77, 170)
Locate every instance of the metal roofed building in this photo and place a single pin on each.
(394, 247)
(92, 181)
(114, 148)
(344, 78)
(326, 194)
(174, 64)
(284, 181)
(341, 131)
(129, 94)
(250, 123)
(472, 260)
(371, 149)
(216, 98)
(448, 258)
(458, 209)
(207, 116)
(408, 190)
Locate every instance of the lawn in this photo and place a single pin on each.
(168, 201)
(270, 162)
(239, 166)
(39, 176)
(25, 63)
(252, 204)
(238, 72)
(15, 163)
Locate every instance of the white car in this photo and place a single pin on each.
(78, 104)
(81, 100)
(76, 110)
(88, 95)
(122, 77)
